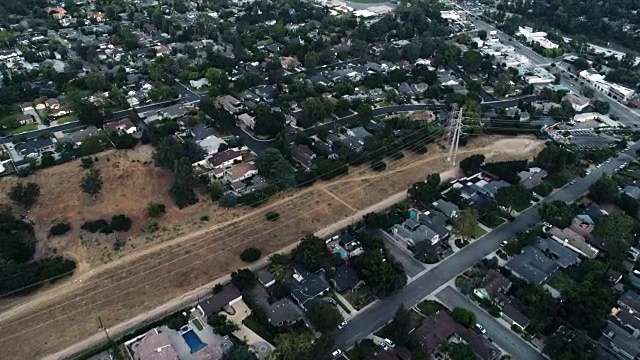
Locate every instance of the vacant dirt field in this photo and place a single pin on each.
(187, 255)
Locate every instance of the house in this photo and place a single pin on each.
(306, 287)
(154, 345)
(122, 126)
(532, 178)
(349, 243)
(620, 342)
(247, 120)
(26, 106)
(512, 311)
(34, 148)
(532, 266)
(77, 137)
(224, 159)
(435, 221)
(58, 112)
(578, 103)
(345, 278)
(563, 255)
(25, 119)
(632, 191)
(199, 84)
(240, 172)
(303, 155)
(52, 104)
(360, 133)
(265, 278)
(440, 327)
(630, 301)
(230, 103)
(412, 232)
(323, 148)
(283, 312)
(449, 209)
(492, 284)
(210, 144)
(289, 62)
(227, 296)
(573, 241)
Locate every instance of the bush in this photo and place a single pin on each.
(378, 166)
(120, 222)
(204, 218)
(250, 254)
(86, 163)
(154, 210)
(59, 229)
(152, 227)
(272, 216)
(95, 226)
(221, 325)
(464, 316)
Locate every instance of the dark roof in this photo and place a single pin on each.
(201, 131)
(347, 240)
(532, 265)
(512, 311)
(382, 355)
(265, 277)
(630, 300)
(435, 329)
(494, 282)
(283, 311)
(33, 145)
(619, 340)
(220, 158)
(346, 278)
(322, 148)
(564, 256)
(216, 302)
(302, 154)
(310, 286)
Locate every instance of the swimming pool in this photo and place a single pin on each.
(338, 249)
(194, 342)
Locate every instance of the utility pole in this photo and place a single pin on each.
(104, 328)
(453, 133)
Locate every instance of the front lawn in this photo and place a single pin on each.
(428, 307)
(359, 298)
(67, 119)
(479, 232)
(24, 128)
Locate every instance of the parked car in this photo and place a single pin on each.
(389, 343)
(504, 243)
(342, 324)
(336, 353)
(480, 329)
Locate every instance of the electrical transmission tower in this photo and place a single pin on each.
(454, 130)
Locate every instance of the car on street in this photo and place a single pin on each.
(389, 343)
(504, 243)
(336, 353)
(480, 329)
(572, 182)
(342, 324)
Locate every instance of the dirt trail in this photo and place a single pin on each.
(126, 289)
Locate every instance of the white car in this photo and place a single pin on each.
(480, 329)
(504, 243)
(336, 353)
(389, 343)
(342, 324)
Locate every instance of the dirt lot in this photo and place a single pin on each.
(192, 254)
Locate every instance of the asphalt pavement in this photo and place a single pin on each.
(507, 340)
(380, 313)
(411, 266)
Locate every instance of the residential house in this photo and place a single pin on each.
(322, 148)
(345, 278)
(303, 155)
(77, 137)
(562, 255)
(24, 119)
(240, 172)
(573, 241)
(532, 266)
(491, 188)
(350, 244)
(412, 232)
(265, 278)
(26, 106)
(230, 104)
(439, 327)
(512, 311)
(306, 287)
(360, 133)
(224, 159)
(492, 284)
(34, 148)
(434, 220)
(632, 191)
(578, 102)
(283, 312)
(227, 296)
(122, 126)
(154, 345)
(619, 341)
(52, 104)
(247, 121)
(449, 209)
(582, 228)
(532, 177)
(199, 84)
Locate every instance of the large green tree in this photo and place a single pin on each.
(557, 213)
(91, 183)
(292, 346)
(324, 317)
(604, 191)
(514, 197)
(466, 223)
(568, 344)
(471, 60)
(25, 195)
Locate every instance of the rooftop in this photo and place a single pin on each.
(532, 265)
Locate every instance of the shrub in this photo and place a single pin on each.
(95, 226)
(152, 227)
(120, 222)
(154, 210)
(250, 254)
(221, 324)
(272, 216)
(86, 163)
(59, 229)
(378, 166)
(204, 218)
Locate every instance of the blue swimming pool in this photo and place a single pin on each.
(193, 341)
(337, 249)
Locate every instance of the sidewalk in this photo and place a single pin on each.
(347, 304)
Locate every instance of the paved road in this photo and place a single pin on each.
(501, 335)
(382, 312)
(411, 266)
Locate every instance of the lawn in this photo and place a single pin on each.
(67, 119)
(197, 324)
(562, 282)
(359, 298)
(428, 307)
(24, 128)
(479, 232)
(365, 349)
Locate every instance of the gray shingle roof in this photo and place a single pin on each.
(532, 265)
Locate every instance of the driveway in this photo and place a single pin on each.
(498, 333)
(411, 266)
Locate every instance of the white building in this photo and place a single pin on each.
(597, 81)
(539, 37)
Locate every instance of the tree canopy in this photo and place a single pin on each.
(25, 195)
(324, 317)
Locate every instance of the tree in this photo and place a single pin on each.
(482, 34)
(311, 60)
(221, 324)
(383, 276)
(120, 222)
(155, 210)
(604, 191)
(267, 122)
(324, 317)
(293, 346)
(216, 190)
(425, 252)
(601, 106)
(59, 229)
(228, 200)
(568, 344)
(243, 279)
(426, 192)
(471, 60)
(309, 252)
(471, 165)
(615, 233)
(250, 254)
(554, 158)
(47, 160)
(398, 329)
(544, 189)
(458, 351)
(557, 213)
(275, 167)
(92, 182)
(124, 141)
(314, 110)
(86, 163)
(117, 98)
(466, 223)
(464, 316)
(513, 197)
(25, 195)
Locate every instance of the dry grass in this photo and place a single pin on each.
(185, 255)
